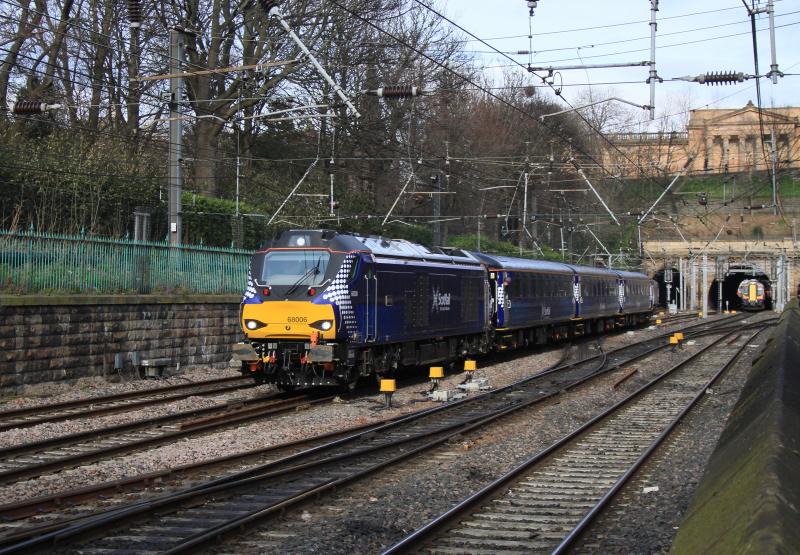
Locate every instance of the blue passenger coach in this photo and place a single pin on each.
(538, 301)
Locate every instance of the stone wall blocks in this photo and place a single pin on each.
(68, 341)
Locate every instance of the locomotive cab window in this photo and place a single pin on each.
(289, 267)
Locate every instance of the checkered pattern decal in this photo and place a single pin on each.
(250, 291)
(339, 294)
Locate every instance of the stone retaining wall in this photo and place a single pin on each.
(48, 339)
(748, 500)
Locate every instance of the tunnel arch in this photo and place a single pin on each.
(735, 275)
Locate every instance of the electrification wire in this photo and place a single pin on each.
(516, 63)
(639, 50)
(622, 41)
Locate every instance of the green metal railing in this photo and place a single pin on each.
(33, 262)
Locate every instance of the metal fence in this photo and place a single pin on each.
(33, 262)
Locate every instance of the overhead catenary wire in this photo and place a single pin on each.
(641, 50)
(516, 63)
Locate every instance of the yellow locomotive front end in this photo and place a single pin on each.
(302, 320)
(295, 311)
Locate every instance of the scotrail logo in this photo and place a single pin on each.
(441, 301)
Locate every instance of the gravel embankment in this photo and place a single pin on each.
(87, 388)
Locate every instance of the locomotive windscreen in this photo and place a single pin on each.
(287, 267)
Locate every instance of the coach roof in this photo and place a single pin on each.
(522, 264)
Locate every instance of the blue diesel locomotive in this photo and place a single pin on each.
(326, 308)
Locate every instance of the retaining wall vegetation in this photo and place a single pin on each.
(748, 500)
(50, 339)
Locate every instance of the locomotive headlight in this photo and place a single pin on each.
(253, 324)
(323, 325)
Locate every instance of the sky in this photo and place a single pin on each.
(682, 43)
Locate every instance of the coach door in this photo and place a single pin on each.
(621, 294)
(369, 287)
(577, 298)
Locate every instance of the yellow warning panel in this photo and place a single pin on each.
(388, 386)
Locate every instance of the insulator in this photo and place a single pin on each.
(397, 91)
(702, 199)
(29, 107)
(722, 78)
(135, 13)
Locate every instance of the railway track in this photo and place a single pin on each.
(677, 318)
(51, 455)
(120, 402)
(545, 504)
(55, 454)
(185, 520)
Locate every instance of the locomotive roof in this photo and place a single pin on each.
(380, 246)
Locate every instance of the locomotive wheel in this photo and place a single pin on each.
(287, 387)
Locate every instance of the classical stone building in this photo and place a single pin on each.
(715, 141)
